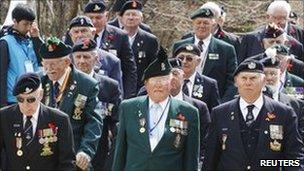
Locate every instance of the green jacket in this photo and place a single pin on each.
(133, 150)
(79, 98)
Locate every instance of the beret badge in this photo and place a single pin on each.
(96, 8)
(28, 90)
(189, 47)
(134, 4)
(163, 66)
(251, 65)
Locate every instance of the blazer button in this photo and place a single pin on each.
(248, 167)
(27, 167)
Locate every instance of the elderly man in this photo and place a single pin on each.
(278, 12)
(196, 85)
(17, 52)
(84, 57)
(272, 76)
(81, 27)
(161, 131)
(144, 44)
(115, 41)
(117, 21)
(249, 129)
(218, 58)
(74, 93)
(34, 136)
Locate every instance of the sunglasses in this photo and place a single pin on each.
(188, 58)
(29, 100)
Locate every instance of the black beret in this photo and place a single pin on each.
(202, 12)
(81, 21)
(176, 63)
(159, 67)
(54, 48)
(23, 12)
(292, 14)
(249, 65)
(281, 49)
(270, 62)
(26, 83)
(118, 5)
(136, 5)
(95, 7)
(273, 31)
(190, 48)
(84, 45)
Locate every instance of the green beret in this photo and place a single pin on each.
(159, 67)
(202, 12)
(84, 45)
(130, 5)
(26, 83)
(54, 48)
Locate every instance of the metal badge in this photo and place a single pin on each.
(276, 132)
(224, 139)
(275, 145)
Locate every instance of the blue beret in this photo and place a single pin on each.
(54, 48)
(84, 45)
(190, 48)
(95, 7)
(81, 21)
(249, 65)
(26, 83)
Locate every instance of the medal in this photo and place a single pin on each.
(46, 150)
(19, 153)
(172, 129)
(177, 141)
(224, 139)
(142, 130)
(275, 145)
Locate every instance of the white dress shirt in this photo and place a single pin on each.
(179, 96)
(257, 107)
(156, 134)
(34, 120)
(98, 40)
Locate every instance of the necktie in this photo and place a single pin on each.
(95, 37)
(249, 116)
(56, 89)
(28, 130)
(185, 87)
(200, 45)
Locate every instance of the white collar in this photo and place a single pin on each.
(91, 73)
(34, 116)
(206, 40)
(162, 103)
(258, 103)
(61, 80)
(283, 77)
(179, 96)
(192, 78)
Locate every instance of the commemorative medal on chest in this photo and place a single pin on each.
(19, 144)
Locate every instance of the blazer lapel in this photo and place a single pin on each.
(208, 63)
(143, 110)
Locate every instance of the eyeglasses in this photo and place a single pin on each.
(29, 100)
(187, 57)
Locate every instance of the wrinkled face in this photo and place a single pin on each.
(268, 42)
(249, 85)
(78, 33)
(272, 76)
(55, 68)
(28, 103)
(189, 62)
(99, 20)
(279, 17)
(85, 61)
(131, 18)
(23, 26)
(203, 27)
(176, 81)
(158, 88)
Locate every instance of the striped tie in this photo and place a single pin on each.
(28, 130)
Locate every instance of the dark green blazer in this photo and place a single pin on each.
(87, 130)
(133, 151)
(220, 68)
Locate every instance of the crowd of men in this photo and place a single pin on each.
(108, 97)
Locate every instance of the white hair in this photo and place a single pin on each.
(215, 8)
(279, 5)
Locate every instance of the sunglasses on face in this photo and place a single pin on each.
(187, 57)
(29, 99)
